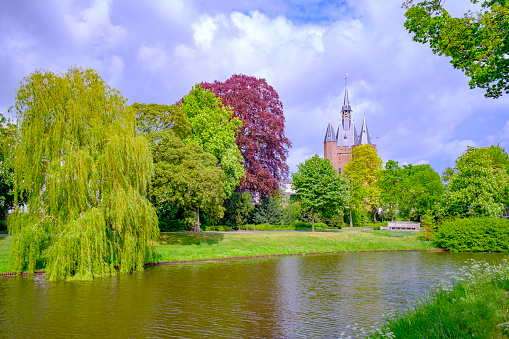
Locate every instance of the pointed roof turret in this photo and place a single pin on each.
(346, 102)
(329, 134)
(364, 138)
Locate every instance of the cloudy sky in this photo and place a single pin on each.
(418, 108)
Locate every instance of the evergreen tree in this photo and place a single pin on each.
(84, 173)
(268, 212)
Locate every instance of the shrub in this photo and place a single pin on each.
(301, 225)
(484, 234)
(321, 226)
(218, 228)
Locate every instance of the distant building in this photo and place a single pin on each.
(286, 188)
(338, 146)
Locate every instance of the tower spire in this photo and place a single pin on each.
(346, 102)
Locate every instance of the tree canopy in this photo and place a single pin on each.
(85, 173)
(319, 188)
(213, 127)
(7, 143)
(478, 42)
(409, 191)
(478, 184)
(187, 175)
(261, 139)
(362, 172)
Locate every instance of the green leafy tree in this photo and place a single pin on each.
(268, 212)
(238, 208)
(362, 172)
(159, 118)
(391, 186)
(7, 143)
(187, 175)
(477, 42)
(319, 188)
(84, 173)
(213, 127)
(478, 185)
(422, 190)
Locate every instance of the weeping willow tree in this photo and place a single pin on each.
(84, 174)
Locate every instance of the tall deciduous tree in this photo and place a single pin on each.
(422, 190)
(478, 184)
(187, 175)
(85, 174)
(213, 127)
(478, 42)
(261, 139)
(7, 143)
(319, 188)
(391, 187)
(362, 172)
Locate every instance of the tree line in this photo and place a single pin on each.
(88, 178)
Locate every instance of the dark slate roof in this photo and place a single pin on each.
(329, 134)
(364, 138)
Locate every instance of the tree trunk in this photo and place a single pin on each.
(374, 216)
(351, 222)
(197, 223)
(312, 221)
(392, 219)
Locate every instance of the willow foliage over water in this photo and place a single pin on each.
(84, 173)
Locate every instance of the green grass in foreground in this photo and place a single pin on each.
(177, 246)
(475, 306)
(190, 246)
(5, 246)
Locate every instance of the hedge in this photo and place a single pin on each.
(483, 234)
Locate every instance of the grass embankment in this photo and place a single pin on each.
(190, 246)
(475, 306)
(5, 246)
(177, 247)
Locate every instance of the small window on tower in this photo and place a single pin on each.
(345, 137)
(339, 170)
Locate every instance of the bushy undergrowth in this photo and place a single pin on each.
(473, 235)
(299, 225)
(475, 304)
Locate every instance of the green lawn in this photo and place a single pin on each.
(208, 245)
(5, 246)
(176, 247)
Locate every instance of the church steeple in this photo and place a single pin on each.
(347, 135)
(364, 138)
(346, 103)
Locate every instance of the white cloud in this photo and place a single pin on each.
(204, 31)
(92, 26)
(153, 58)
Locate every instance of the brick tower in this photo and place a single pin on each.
(337, 147)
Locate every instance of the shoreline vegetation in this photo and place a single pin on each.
(474, 305)
(194, 247)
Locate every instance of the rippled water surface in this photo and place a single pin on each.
(313, 296)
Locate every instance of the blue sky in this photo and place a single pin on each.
(418, 108)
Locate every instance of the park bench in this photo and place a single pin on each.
(407, 226)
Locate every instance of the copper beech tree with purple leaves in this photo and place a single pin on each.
(261, 140)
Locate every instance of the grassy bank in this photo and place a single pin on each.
(176, 247)
(475, 305)
(190, 246)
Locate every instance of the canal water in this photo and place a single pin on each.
(314, 296)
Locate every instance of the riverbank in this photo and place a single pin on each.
(475, 305)
(176, 247)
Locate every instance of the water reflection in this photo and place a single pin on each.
(287, 297)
